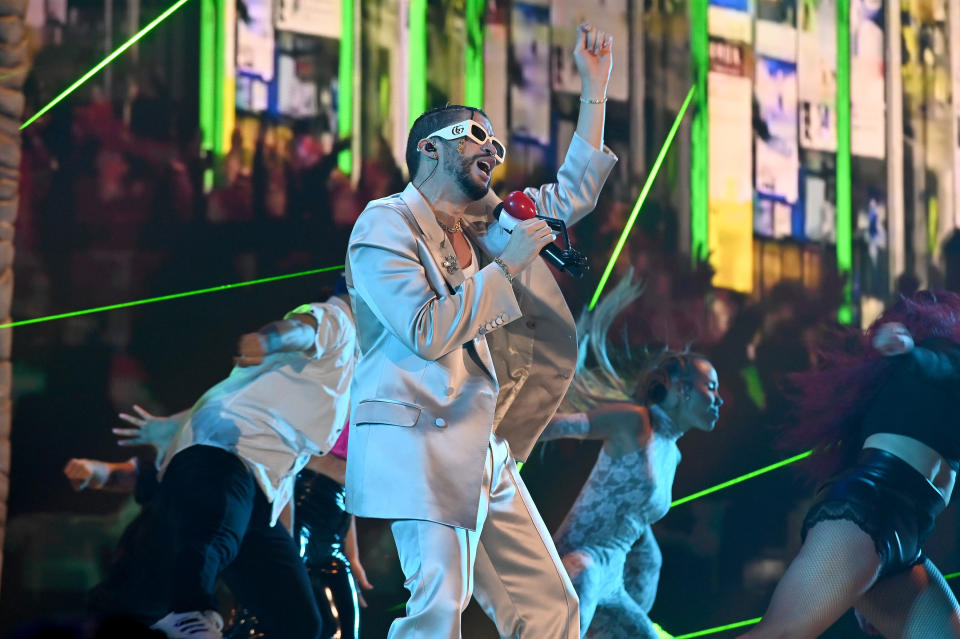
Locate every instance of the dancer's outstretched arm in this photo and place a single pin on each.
(311, 328)
(118, 477)
(121, 477)
(940, 361)
(296, 333)
(150, 430)
(935, 358)
(603, 423)
(567, 426)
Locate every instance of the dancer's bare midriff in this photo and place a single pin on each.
(921, 457)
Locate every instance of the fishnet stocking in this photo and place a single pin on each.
(836, 565)
(916, 604)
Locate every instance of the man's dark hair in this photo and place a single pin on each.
(429, 122)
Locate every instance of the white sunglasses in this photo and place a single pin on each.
(471, 129)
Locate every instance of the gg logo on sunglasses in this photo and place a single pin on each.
(473, 131)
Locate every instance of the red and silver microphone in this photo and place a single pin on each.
(517, 207)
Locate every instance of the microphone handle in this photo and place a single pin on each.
(554, 255)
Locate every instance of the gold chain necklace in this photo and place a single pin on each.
(456, 228)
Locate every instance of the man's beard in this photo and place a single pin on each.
(468, 185)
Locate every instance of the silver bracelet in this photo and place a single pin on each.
(503, 266)
(592, 101)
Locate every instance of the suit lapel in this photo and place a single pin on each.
(445, 257)
(435, 239)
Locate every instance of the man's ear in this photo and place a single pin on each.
(428, 148)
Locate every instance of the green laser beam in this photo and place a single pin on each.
(209, 79)
(417, 58)
(710, 631)
(742, 478)
(700, 132)
(473, 52)
(345, 73)
(640, 200)
(151, 300)
(736, 480)
(107, 60)
(844, 179)
(13, 73)
(661, 633)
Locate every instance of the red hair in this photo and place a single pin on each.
(829, 403)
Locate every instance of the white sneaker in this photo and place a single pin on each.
(191, 625)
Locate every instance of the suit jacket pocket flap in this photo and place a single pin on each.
(375, 411)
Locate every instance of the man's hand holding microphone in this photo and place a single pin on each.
(526, 241)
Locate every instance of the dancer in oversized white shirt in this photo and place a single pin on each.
(277, 414)
(229, 473)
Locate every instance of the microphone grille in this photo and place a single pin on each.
(520, 206)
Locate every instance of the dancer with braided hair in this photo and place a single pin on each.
(605, 541)
(883, 419)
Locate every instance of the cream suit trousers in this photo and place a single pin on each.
(509, 564)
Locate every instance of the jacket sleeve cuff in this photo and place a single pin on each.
(508, 309)
(581, 155)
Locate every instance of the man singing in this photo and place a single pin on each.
(451, 387)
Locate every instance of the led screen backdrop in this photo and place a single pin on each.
(730, 230)
(817, 75)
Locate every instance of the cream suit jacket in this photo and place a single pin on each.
(443, 359)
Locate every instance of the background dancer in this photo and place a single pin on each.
(431, 388)
(606, 541)
(228, 475)
(323, 530)
(326, 535)
(893, 406)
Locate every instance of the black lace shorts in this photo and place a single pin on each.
(887, 499)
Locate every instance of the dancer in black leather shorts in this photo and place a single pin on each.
(885, 415)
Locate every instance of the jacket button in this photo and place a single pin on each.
(450, 390)
(531, 324)
(439, 422)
